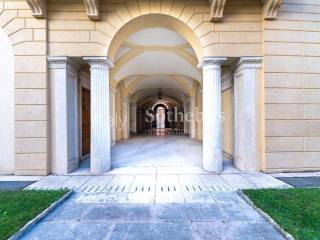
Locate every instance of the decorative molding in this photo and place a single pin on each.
(99, 62)
(249, 62)
(216, 9)
(38, 8)
(212, 61)
(93, 9)
(270, 8)
(57, 62)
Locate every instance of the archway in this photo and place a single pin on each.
(6, 105)
(152, 21)
(156, 58)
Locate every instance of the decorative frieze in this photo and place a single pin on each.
(93, 9)
(270, 8)
(216, 9)
(38, 8)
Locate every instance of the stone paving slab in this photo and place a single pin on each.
(234, 231)
(66, 230)
(152, 231)
(162, 188)
(154, 221)
(120, 212)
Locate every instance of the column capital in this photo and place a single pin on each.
(249, 62)
(57, 62)
(212, 61)
(99, 62)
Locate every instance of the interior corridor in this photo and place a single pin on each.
(170, 154)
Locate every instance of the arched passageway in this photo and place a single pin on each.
(155, 65)
(157, 81)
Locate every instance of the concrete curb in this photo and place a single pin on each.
(38, 218)
(266, 216)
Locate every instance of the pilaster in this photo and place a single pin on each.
(247, 114)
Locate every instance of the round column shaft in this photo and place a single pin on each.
(212, 128)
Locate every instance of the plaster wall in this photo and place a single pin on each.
(227, 121)
(28, 38)
(292, 87)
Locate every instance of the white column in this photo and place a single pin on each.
(185, 122)
(100, 159)
(64, 115)
(212, 129)
(193, 117)
(247, 117)
(125, 118)
(133, 117)
(113, 92)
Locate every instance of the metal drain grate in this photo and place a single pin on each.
(301, 182)
(14, 185)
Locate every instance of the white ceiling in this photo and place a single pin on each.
(156, 83)
(156, 64)
(156, 37)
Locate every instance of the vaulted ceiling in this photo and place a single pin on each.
(154, 59)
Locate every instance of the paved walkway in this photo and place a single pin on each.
(156, 190)
(232, 220)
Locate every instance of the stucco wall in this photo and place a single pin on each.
(68, 24)
(227, 121)
(28, 38)
(292, 94)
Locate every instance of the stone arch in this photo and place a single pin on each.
(6, 105)
(150, 21)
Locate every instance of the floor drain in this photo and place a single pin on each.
(14, 185)
(301, 182)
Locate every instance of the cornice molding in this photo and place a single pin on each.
(93, 9)
(216, 9)
(38, 8)
(270, 9)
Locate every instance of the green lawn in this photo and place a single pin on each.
(19, 207)
(297, 211)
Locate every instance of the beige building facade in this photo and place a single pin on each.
(77, 76)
